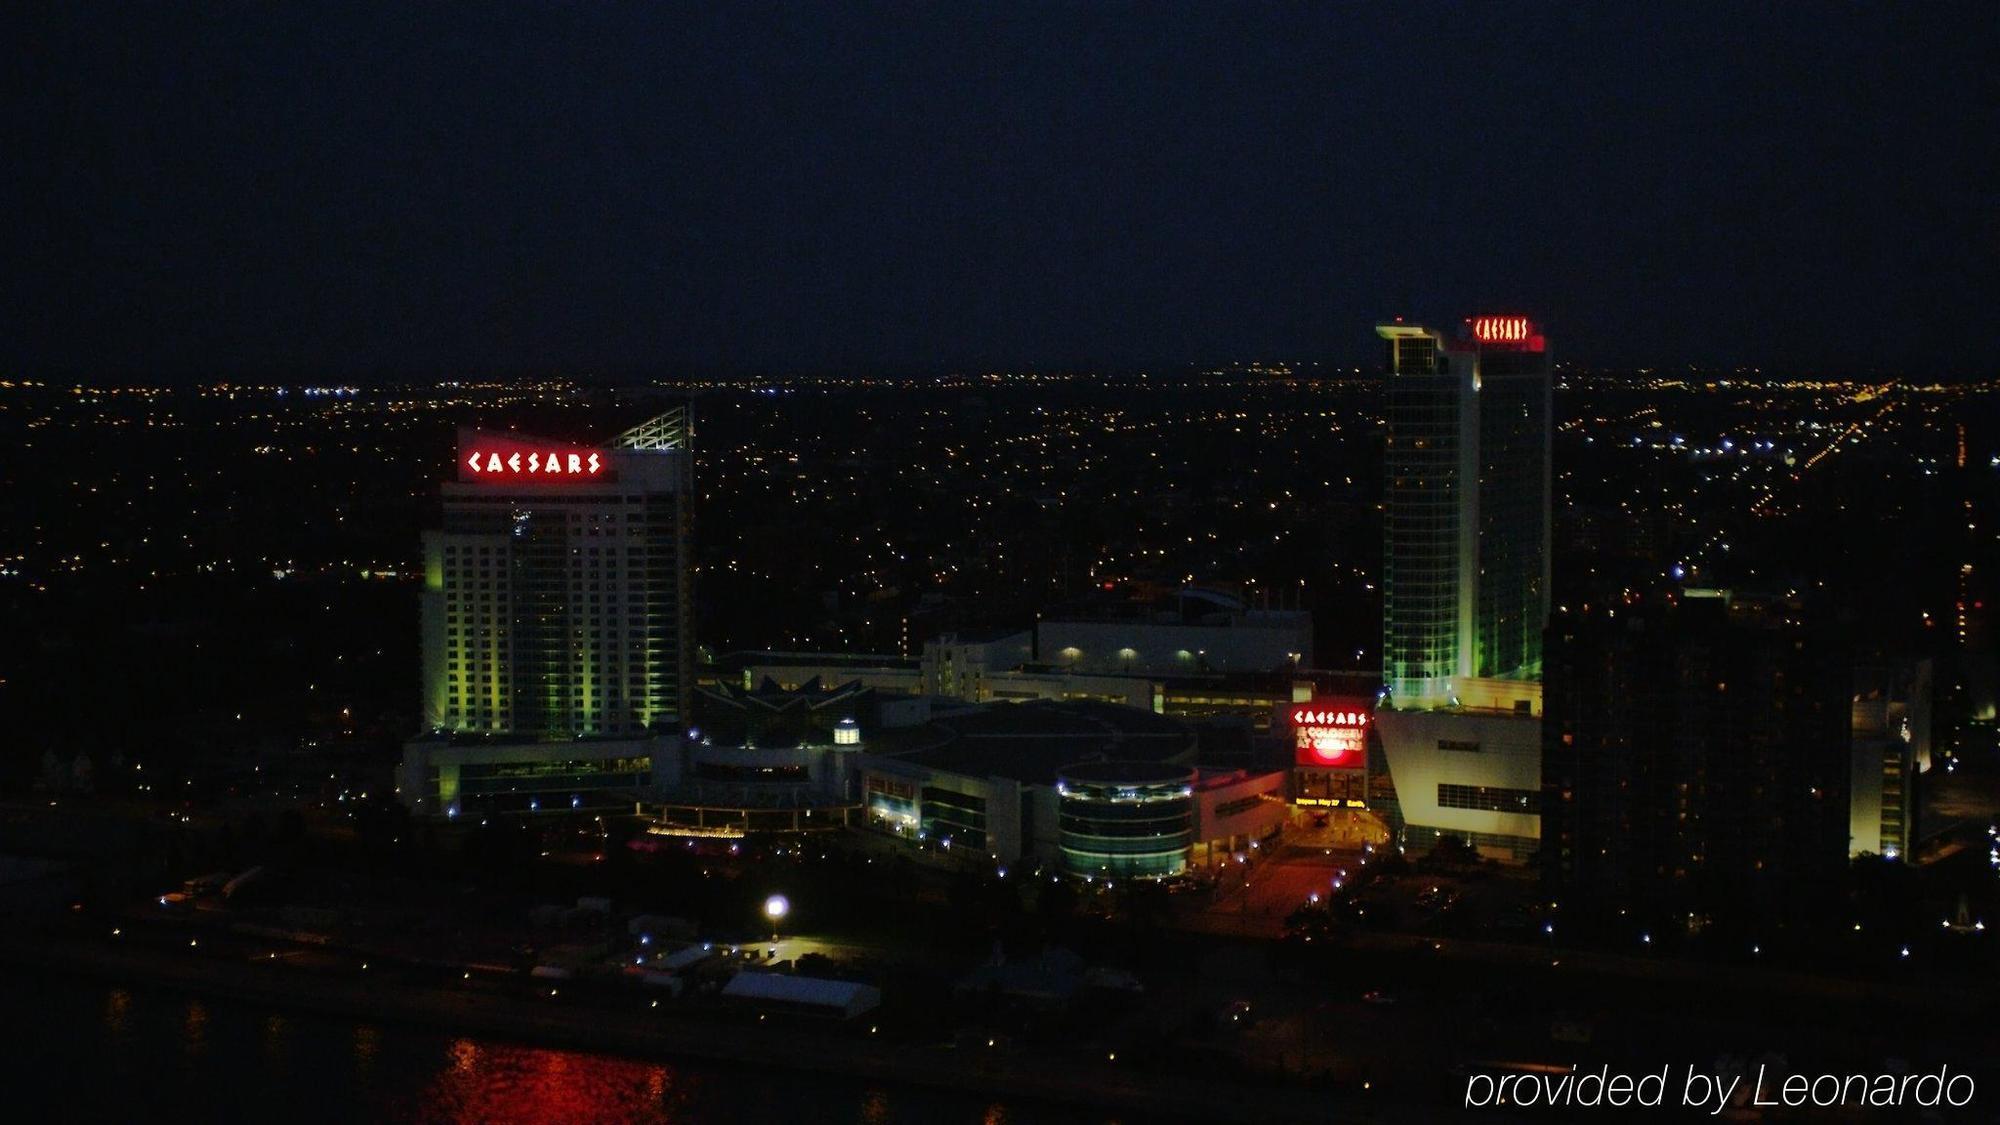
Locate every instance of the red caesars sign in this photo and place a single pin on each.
(1500, 329)
(512, 460)
(1330, 732)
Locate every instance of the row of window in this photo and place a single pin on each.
(1488, 798)
(1239, 805)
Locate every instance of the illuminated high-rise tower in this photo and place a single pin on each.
(555, 602)
(1465, 587)
(1466, 552)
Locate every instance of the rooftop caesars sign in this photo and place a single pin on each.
(515, 460)
(1500, 329)
(1330, 732)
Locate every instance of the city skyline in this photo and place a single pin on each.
(1240, 563)
(975, 663)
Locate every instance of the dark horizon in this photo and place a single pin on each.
(610, 193)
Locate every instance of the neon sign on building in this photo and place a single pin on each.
(1501, 329)
(1330, 732)
(484, 457)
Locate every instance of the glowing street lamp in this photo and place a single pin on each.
(775, 908)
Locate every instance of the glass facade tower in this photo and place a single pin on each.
(1466, 528)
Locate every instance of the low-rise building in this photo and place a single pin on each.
(1473, 772)
(767, 759)
(453, 775)
(1051, 781)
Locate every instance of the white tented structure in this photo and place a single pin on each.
(814, 995)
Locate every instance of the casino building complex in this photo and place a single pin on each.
(1465, 583)
(557, 656)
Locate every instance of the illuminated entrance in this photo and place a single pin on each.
(1330, 772)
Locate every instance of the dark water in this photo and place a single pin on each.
(81, 1051)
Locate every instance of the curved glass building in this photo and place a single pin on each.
(1125, 819)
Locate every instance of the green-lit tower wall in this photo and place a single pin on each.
(558, 608)
(1466, 515)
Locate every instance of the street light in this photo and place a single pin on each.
(775, 908)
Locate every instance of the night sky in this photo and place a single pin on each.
(294, 190)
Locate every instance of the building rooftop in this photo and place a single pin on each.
(770, 716)
(816, 992)
(1191, 605)
(1128, 773)
(981, 636)
(748, 658)
(513, 739)
(1033, 742)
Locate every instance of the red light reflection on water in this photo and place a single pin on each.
(485, 1082)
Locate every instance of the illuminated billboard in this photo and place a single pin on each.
(493, 458)
(1330, 733)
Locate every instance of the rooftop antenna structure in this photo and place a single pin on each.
(669, 430)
